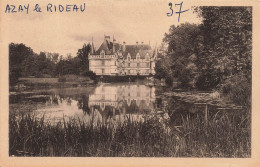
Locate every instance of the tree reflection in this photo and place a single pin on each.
(83, 104)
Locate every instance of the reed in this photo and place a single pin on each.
(224, 135)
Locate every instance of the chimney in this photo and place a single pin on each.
(124, 46)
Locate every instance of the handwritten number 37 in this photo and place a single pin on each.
(181, 11)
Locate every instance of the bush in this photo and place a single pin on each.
(237, 88)
(91, 75)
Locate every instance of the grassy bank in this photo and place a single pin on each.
(224, 135)
(42, 83)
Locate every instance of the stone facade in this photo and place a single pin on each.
(120, 59)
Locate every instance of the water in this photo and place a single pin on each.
(177, 127)
(102, 103)
(107, 103)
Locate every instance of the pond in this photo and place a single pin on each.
(160, 125)
(105, 103)
(101, 103)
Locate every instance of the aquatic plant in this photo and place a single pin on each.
(223, 135)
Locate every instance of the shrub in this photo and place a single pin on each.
(91, 75)
(237, 88)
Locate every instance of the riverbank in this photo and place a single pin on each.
(210, 98)
(31, 83)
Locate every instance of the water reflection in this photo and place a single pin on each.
(123, 98)
(104, 103)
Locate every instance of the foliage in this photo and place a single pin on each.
(226, 40)
(91, 75)
(237, 88)
(162, 68)
(204, 56)
(17, 54)
(25, 63)
(83, 56)
(224, 135)
(176, 63)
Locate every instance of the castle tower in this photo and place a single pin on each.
(92, 47)
(114, 41)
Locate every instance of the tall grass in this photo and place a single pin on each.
(222, 136)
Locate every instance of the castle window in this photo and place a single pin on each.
(128, 64)
(147, 64)
(103, 70)
(128, 58)
(138, 57)
(102, 53)
(103, 62)
(147, 57)
(128, 71)
(138, 64)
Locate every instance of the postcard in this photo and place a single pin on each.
(129, 83)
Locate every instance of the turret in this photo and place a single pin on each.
(92, 47)
(114, 42)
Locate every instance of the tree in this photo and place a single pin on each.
(91, 75)
(182, 43)
(226, 37)
(17, 54)
(53, 57)
(83, 56)
(163, 70)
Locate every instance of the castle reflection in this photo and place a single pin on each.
(111, 100)
(126, 98)
(103, 103)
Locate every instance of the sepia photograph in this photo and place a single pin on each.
(188, 95)
(118, 79)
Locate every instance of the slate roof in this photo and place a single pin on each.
(142, 49)
(106, 46)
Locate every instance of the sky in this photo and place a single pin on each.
(66, 32)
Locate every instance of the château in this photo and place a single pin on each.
(114, 59)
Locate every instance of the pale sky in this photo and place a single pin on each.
(63, 33)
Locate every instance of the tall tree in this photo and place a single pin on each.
(182, 43)
(17, 54)
(83, 56)
(227, 43)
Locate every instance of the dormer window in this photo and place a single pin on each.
(138, 57)
(128, 57)
(147, 57)
(102, 53)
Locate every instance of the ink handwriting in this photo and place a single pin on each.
(169, 14)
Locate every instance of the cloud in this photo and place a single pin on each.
(81, 38)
